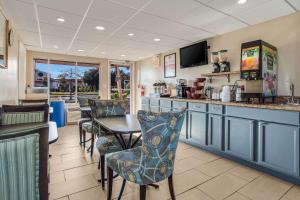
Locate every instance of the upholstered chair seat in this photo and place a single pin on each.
(154, 160)
(87, 126)
(108, 144)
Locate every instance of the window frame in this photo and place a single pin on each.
(70, 63)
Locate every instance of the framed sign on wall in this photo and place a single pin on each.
(170, 65)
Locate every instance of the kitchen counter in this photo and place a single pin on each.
(270, 106)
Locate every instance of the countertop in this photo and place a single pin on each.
(270, 106)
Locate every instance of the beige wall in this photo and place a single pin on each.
(284, 33)
(103, 67)
(9, 78)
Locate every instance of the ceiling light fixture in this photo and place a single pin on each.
(156, 39)
(130, 34)
(242, 1)
(102, 52)
(100, 28)
(60, 19)
(123, 55)
(55, 46)
(80, 50)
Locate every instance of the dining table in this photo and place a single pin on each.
(120, 126)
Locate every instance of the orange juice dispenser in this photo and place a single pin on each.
(259, 68)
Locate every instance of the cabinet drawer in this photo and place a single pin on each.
(145, 100)
(154, 102)
(165, 103)
(198, 107)
(179, 105)
(215, 109)
(279, 116)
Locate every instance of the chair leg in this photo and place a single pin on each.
(102, 170)
(109, 182)
(142, 192)
(99, 163)
(80, 134)
(84, 137)
(171, 188)
(122, 189)
(92, 144)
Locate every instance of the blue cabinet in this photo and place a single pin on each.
(278, 147)
(165, 105)
(215, 131)
(178, 106)
(239, 137)
(145, 107)
(145, 104)
(198, 127)
(154, 108)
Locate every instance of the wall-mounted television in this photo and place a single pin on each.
(194, 55)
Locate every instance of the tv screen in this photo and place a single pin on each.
(194, 55)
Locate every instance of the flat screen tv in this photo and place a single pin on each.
(194, 55)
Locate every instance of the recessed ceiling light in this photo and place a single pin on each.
(102, 52)
(156, 39)
(242, 1)
(60, 19)
(123, 55)
(55, 46)
(80, 50)
(100, 28)
(130, 34)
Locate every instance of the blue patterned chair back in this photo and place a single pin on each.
(19, 168)
(24, 114)
(108, 108)
(160, 133)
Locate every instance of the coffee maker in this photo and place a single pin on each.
(181, 88)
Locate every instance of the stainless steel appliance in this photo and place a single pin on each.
(182, 91)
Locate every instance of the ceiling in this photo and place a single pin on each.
(175, 22)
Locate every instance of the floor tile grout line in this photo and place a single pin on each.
(243, 177)
(248, 184)
(286, 191)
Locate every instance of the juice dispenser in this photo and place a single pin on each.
(259, 67)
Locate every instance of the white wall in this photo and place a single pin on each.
(284, 33)
(9, 82)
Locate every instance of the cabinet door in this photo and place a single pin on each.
(145, 107)
(239, 135)
(154, 108)
(279, 147)
(215, 131)
(198, 127)
(183, 133)
(163, 109)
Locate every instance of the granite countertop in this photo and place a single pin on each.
(271, 106)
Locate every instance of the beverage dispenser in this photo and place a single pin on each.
(259, 67)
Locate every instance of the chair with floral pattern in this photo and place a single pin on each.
(107, 143)
(154, 160)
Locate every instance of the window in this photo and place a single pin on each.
(41, 73)
(120, 81)
(67, 80)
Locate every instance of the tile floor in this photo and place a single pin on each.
(198, 175)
